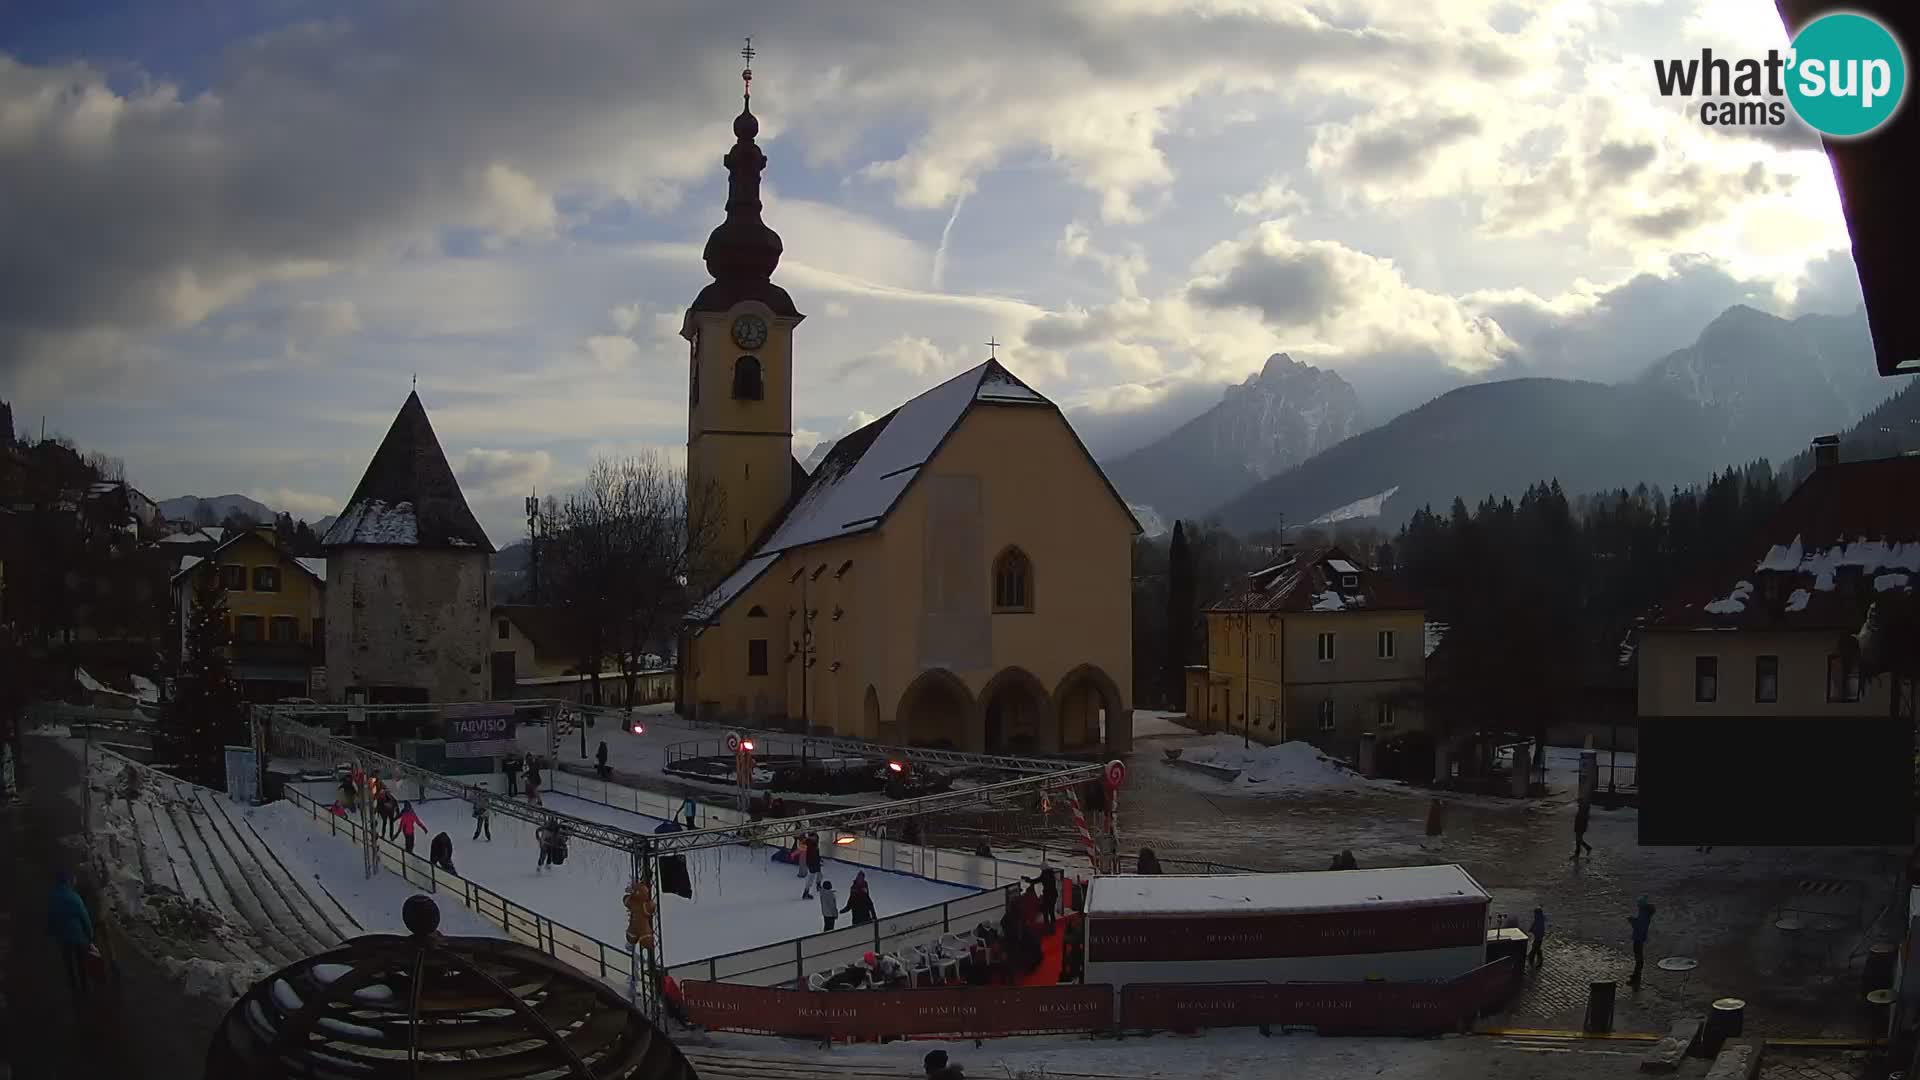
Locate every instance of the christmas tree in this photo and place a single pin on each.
(207, 714)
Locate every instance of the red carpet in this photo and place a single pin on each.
(1051, 948)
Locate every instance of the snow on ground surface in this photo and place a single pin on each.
(741, 899)
(1290, 766)
(1371, 506)
(320, 860)
(144, 689)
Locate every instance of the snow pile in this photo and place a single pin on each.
(1735, 602)
(1889, 582)
(216, 980)
(88, 683)
(144, 689)
(997, 384)
(1328, 601)
(1797, 600)
(1290, 766)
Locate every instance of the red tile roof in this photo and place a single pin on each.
(1850, 532)
(1306, 582)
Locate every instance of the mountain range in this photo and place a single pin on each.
(185, 507)
(1752, 385)
(1276, 419)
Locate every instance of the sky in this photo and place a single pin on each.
(237, 231)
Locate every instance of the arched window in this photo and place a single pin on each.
(1013, 581)
(746, 379)
(756, 612)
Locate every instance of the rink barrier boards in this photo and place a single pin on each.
(783, 963)
(1377, 1008)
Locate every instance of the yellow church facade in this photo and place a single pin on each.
(955, 574)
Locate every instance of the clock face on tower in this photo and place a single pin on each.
(749, 331)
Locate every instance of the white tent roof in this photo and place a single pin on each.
(1260, 894)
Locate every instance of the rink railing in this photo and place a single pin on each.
(783, 963)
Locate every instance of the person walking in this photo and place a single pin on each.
(938, 1067)
(552, 841)
(859, 900)
(829, 909)
(71, 928)
(511, 767)
(689, 810)
(1147, 863)
(440, 852)
(389, 810)
(1641, 921)
(1581, 817)
(409, 823)
(482, 817)
(1538, 930)
(600, 762)
(812, 864)
(533, 781)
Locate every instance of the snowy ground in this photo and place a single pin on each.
(1268, 770)
(741, 899)
(334, 865)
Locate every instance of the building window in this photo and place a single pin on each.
(1259, 647)
(756, 612)
(266, 579)
(844, 567)
(1349, 581)
(246, 628)
(1326, 648)
(1273, 646)
(233, 578)
(746, 380)
(757, 656)
(1384, 644)
(1012, 581)
(1843, 679)
(1766, 679)
(284, 630)
(1383, 714)
(1706, 678)
(1273, 712)
(503, 631)
(1326, 715)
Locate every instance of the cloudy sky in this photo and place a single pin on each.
(235, 230)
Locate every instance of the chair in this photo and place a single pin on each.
(817, 982)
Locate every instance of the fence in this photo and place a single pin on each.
(1409, 1008)
(585, 952)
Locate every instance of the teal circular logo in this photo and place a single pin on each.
(1846, 74)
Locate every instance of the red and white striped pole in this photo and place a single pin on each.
(1116, 776)
(1080, 826)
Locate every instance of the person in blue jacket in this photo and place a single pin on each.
(1640, 921)
(71, 929)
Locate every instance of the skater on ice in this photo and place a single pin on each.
(859, 901)
(482, 817)
(511, 767)
(552, 839)
(600, 762)
(829, 909)
(440, 852)
(388, 808)
(409, 822)
(810, 865)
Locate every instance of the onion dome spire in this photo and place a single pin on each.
(742, 248)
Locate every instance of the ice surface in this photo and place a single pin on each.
(741, 899)
(1314, 890)
(317, 858)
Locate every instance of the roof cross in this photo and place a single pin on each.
(746, 73)
(992, 345)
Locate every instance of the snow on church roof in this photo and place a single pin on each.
(861, 478)
(1258, 894)
(735, 584)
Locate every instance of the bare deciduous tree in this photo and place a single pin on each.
(618, 554)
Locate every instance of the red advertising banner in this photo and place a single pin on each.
(1140, 939)
(975, 1011)
(1380, 1008)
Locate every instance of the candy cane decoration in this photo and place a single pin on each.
(1080, 825)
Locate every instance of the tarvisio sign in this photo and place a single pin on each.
(482, 730)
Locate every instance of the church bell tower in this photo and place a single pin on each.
(740, 373)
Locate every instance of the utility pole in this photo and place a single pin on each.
(803, 651)
(533, 541)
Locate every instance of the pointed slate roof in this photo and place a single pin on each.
(408, 497)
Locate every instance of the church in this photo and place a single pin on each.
(956, 574)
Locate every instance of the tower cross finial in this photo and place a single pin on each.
(992, 349)
(746, 73)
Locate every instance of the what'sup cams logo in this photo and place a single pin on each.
(1844, 76)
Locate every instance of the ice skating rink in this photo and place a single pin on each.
(741, 898)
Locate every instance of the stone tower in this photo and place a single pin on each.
(407, 599)
(740, 466)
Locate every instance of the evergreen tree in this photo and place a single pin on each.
(1181, 613)
(207, 714)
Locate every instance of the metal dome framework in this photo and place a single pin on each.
(429, 1007)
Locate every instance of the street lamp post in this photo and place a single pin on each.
(803, 650)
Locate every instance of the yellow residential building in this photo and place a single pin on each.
(1318, 648)
(275, 612)
(956, 573)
